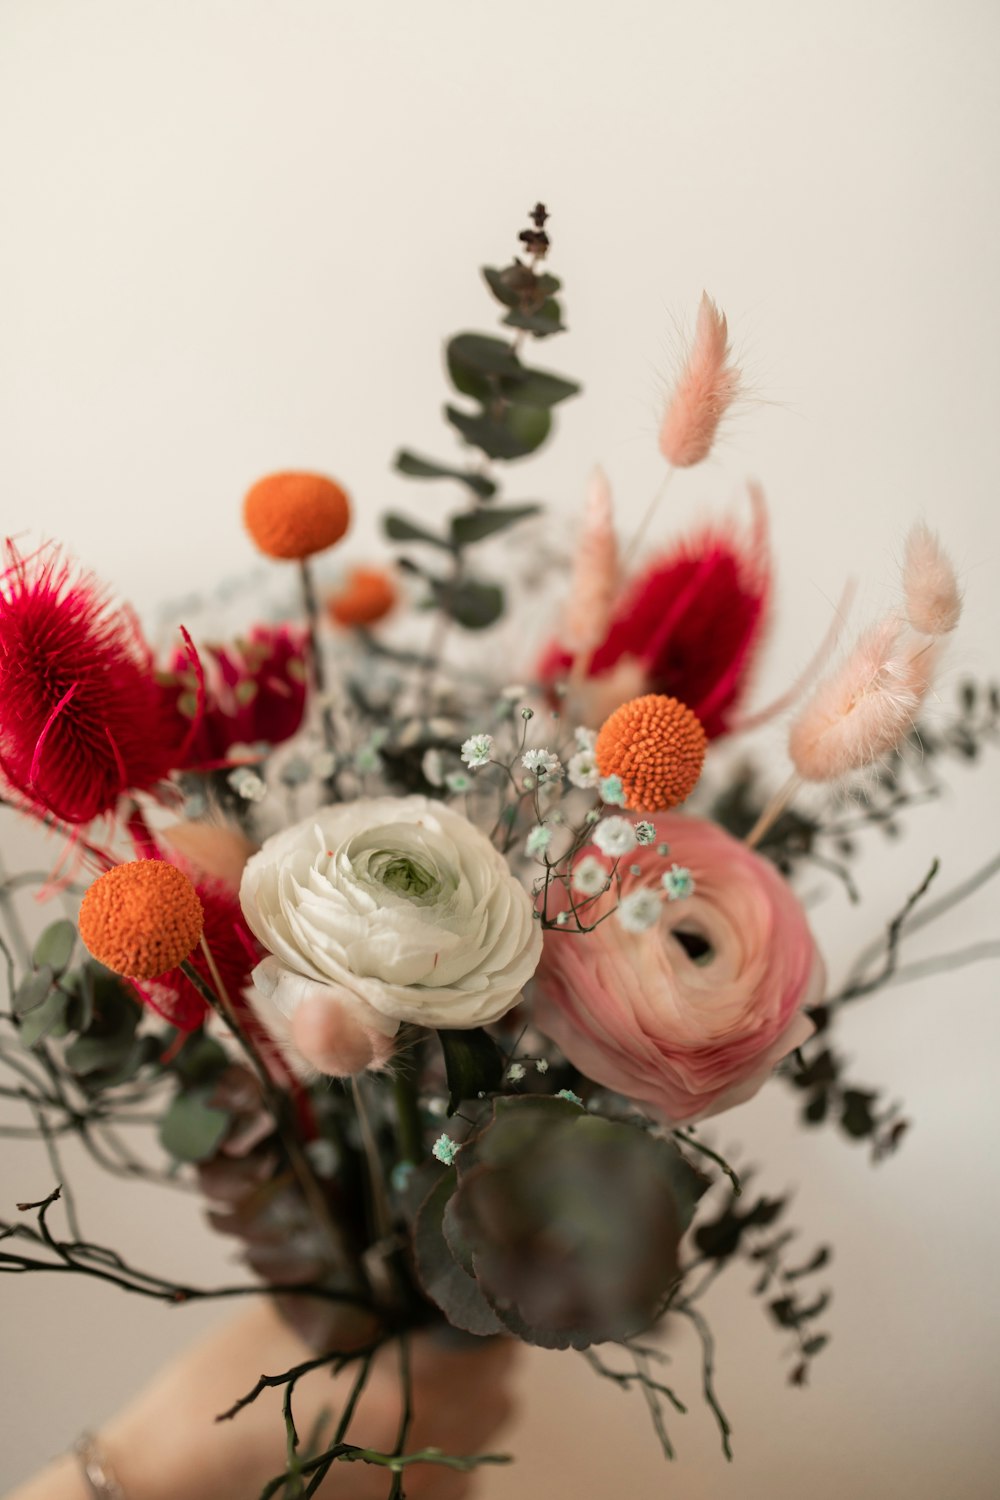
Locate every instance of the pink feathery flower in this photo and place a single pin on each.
(933, 597)
(864, 709)
(690, 625)
(82, 716)
(254, 690)
(707, 386)
(596, 572)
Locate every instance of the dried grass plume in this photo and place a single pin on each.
(864, 709)
(707, 387)
(596, 571)
(933, 597)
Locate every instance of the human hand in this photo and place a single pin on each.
(167, 1444)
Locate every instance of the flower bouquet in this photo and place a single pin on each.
(430, 979)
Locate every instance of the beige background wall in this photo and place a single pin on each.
(234, 235)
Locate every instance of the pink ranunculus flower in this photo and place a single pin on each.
(689, 1016)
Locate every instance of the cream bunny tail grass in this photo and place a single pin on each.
(596, 571)
(707, 387)
(866, 707)
(933, 597)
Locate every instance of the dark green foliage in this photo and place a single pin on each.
(473, 1062)
(509, 417)
(416, 467)
(567, 1224)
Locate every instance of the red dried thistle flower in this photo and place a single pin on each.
(690, 627)
(82, 716)
(233, 948)
(255, 690)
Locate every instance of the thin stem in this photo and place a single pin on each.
(772, 812)
(646, 521)
(312, 1191)
(411, 1145)
(381, 1216)
(310, 605)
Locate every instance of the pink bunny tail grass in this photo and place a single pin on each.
(866, 707)
(596, 572)
(933, 597)
(707, 387)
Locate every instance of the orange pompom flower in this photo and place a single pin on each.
(656, 747)
(141, 919)
(367, 597)
(293, 515)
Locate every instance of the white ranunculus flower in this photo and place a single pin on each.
(400, 906)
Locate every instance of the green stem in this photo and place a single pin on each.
(411, 1135)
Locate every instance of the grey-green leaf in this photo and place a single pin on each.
(55, 946)
(400, 529)
(416, 467)
(192, 1129)
(515, 434)
(539, 388)
(44, 1020)
(476, 525)
(33, 991)
(472, 604)
(546, 320)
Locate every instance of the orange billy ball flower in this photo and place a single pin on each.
(293, 515)
(368, 596)
(656, 746)
(141, 919)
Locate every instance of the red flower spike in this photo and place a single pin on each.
(693, 622)
(254, 690)
(82, 718)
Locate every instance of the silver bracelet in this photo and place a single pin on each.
(100, 1477)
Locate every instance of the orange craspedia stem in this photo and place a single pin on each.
(292, 515)
(656, 746)
(141, 919)
(368, 596)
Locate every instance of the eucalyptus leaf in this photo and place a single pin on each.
(400, 529)
(470, 603)
(91, 1054)
(192, 1129)
(33, 990)
(201, 1059)
(476, 525)
(482, 354)
(416, 467)
(518, 431)
(473, 1063)
(539, 388)
(44, 1020)
(55, 946)
(547, 320)
(442, 1278)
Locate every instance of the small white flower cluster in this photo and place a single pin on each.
(582, 768)
(477, 750)
(678, 883)
(543, 764)
(590, 877)
(639, 910)
(615, 837)
(538, 840)
(247, 784)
